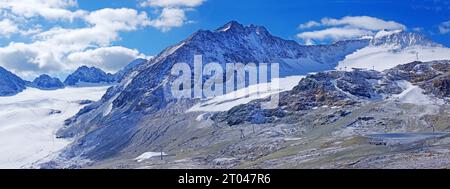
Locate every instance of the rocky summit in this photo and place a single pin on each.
(88, 75)
(46, 82)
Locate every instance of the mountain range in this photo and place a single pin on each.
(11, 84)
(340, 105)
(326, 110)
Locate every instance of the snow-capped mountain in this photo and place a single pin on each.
(88, 76)
(421, 83)
(119, 75)
(145, 90)
(401, 39)
(46, 82)
(132, 116)
(10, 84)
(387, 49)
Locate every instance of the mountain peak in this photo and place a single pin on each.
(86, 74)
(10, 84)
(384, 33)
(46, 82)
(402, 39)
(231, 26)
(234, 26)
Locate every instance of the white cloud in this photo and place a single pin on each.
(172, 12)
(123, 19)
(363, 22)
(444, 27)
(109, 59)
(169, 18)
(334, 33)
(172, 3)
(48, 9)
(7, 27)
(28, 59)
(345, 28)
(47, 47)
(50, 50)
(309, 24)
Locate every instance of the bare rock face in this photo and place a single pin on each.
(86, 74)
(10, 84)
(338, 89)
(433, 77)
(46, 82)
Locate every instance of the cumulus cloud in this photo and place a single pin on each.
(172, 12)
(169, 18)
(28, 60)
(334, 33)
(444, 27)
(172, 3)
(48, 9)
(345, 28)
(109, 59)
(123, 19)
(309, 24)
(7, 28)
(363, 22)
(55, 49)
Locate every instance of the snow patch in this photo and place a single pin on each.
(414, 95)
(27, 132)
(148, 155)
(382, 58)
(245, 95)
(384, 33)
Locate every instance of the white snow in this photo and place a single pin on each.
(292, 139)
(108, 109)
(382, 58)
(384, 33)
(225, 29)
(414, 95)
(82, 84)
(27, 129)
(301, 66)
(202, 117)
(148, 155)
(245, 95)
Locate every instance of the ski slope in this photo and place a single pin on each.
(381, 58)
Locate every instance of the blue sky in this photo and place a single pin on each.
(282, 18)
(59, 35)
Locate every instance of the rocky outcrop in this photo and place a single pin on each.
(89, 75)
(339, 89)
(46, 82)
(10, 84)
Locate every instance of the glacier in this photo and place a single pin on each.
(30, 120)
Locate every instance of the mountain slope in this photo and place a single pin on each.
(46, 82)
(119, 75)
(388, 49)
(10, 84)
(88, 75)
(146, 88)
(140, 113)
(331, 112)
(30, 118)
